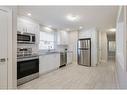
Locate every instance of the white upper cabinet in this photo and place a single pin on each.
(28, 26)
(20, 26)
(62, 38)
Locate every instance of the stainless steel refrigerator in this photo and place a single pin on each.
(84, 52)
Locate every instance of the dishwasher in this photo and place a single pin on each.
(63, 59)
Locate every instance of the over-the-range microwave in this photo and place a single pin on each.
(25, 38)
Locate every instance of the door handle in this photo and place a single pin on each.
(2, 60)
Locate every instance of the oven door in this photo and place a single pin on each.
(27, 67)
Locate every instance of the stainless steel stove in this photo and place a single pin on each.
(27, 65)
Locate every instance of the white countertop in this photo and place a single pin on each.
(51, 52)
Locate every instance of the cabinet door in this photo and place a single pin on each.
(52, 63)
(62, 37)
(26, 26)
(19, 26)
(3, 48)
(35, 29)
(31, 28)
(56, 60)
(65, 37)
(69, 58)
(58, 38)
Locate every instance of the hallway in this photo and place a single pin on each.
(77, 77)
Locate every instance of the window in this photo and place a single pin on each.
(46, 40)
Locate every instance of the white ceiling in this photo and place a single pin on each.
(102, 17)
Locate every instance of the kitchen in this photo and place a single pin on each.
(40, 49)
(52, 48)
(72, 46)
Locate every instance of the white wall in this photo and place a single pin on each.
(72, 46)
(93, 34)
(121, 46)
(12, 66)
(102, 47)
(13, 84)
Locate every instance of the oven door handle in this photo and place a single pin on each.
(25, 59)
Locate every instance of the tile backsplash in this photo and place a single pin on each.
(61, 47)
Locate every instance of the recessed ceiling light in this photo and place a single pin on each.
(72, 17)
(112, 30)
(80, 27)
(48, 29)
(29, 14)
(50, 26)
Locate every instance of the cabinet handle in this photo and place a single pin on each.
(2, 60)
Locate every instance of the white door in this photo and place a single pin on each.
(3, 48)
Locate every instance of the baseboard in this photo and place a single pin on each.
(116, 76)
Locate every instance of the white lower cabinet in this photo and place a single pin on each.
(69, 57)
(49, 62)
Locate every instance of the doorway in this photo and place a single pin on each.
(111, 45)
(6, 66)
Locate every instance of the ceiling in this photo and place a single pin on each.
(102, 17)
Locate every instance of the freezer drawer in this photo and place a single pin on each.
(84, 57)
